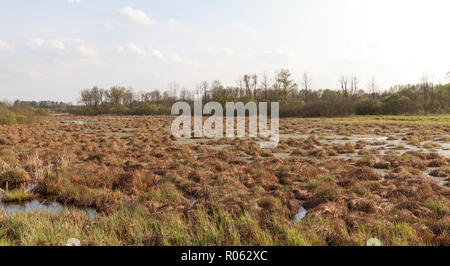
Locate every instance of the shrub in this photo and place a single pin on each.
(17, 113)
(367, 106)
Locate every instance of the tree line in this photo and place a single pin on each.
(297, 99)
(19, 112)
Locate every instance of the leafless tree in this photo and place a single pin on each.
(306, 84)
(344, 85)
(173, 88)
(373, 87)
(184, 94)
(86, 97)
(425, 85)
(155, 96)
(204, 86)
(247, 85)
(265, 85)
(128, 97)
(254, 83)
(285, 84)
(354, 83)
(116, 94)
(146, 96)
(97, 96)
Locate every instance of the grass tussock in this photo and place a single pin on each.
(18, 195)
(150, 188)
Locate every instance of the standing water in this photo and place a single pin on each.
(41, 206)
(300, 214)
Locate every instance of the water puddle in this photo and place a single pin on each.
(300, 214)
(375, 141)
(30, 187)
(440, 180)
(46, 167)
(348, 156)
(38, 205)
(294, 136)
(192, 202)
(382, 172)
(78, 122)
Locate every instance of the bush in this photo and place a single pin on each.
(367, 106)
(6, 116)
(150, 109)
(17, 113)
(396, 104)
(333, 107)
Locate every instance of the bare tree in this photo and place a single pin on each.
(165, 98)
(354, 82)
(344, 86)
(204, 86)
(155, 96)
(116, 94)
(198, 92)
(86, 97)
(146, 96)
(306, 84)
(185, 94)
(218, 92)
(97, 97)
(373, 87)
(247, 85)
(425, 85)
(128, 97)
(254, 84)
(265, 85)
(173, 88)
(285, 84)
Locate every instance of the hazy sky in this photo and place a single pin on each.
(51, 49)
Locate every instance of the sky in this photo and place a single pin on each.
(51, 49)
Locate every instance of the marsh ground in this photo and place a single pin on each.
(118, 180)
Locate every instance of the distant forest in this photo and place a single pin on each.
(296, 99)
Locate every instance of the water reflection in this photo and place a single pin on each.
(42, 206)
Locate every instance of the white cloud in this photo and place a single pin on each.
(136, 16)
(176, 58)
(73, 1)
(86, 50)
(221, 51)
(63, 47)
(53, 45)
(146, 50)
(109, 26)
(5, 46)
(158, 54)
(150, 50)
